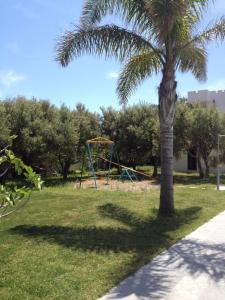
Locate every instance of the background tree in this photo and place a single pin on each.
(222, 144)
(134, 141)
(182, 124)
(4, 128)
(71, 130)
(66, 139)
(109, 120)
(135, 131)
(196, 129)
(29, 122)
(50, 139)
(204, 129)
(88, 124)
(159, 36)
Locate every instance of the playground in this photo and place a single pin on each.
(106, 174)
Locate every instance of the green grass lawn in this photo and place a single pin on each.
(77, 244)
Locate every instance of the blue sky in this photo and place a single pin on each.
(29, 32)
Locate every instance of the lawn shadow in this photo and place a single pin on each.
(187, 179)
(145, 237)
(143, 234)
(58, 181)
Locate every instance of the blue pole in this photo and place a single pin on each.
(110, 162)
(82, 168)
(91, 164)
(128, 174)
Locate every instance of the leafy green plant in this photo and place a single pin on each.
(13, 197)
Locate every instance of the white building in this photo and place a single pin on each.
(216, 98)
(188, 161)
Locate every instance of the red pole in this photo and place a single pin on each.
(116, 164)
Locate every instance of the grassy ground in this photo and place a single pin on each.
(77, 244)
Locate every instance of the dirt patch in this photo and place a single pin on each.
(118, 185)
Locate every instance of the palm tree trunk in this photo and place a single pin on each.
(167, 102)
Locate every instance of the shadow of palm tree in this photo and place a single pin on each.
(150, 234)
(193, 179)
(146, 237)
(185, 266)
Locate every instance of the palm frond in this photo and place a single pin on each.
(194, 59)
(214, 32)
(132, 12)
(199, 6)
(135, 71)
(111, 41)
(169, 17)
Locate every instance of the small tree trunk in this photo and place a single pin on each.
(200, 169)
(65, 170)
(167, 101)
(206, 167)
(155, 167)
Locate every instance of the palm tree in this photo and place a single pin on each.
(159, 36)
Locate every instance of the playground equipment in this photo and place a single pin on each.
(126, 174)
(128, 171)
(92, 157)
(92, 149)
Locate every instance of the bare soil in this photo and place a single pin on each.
(118, 185)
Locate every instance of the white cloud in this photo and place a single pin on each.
(112, 75)
(8, 78)
(218, 85)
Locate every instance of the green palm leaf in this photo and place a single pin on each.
(194, 59)
(213, 32)
(132, 12)
(135, 71)
(111, 41)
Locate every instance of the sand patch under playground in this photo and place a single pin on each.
(118, 185)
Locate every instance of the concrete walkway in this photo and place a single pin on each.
(192, 269)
